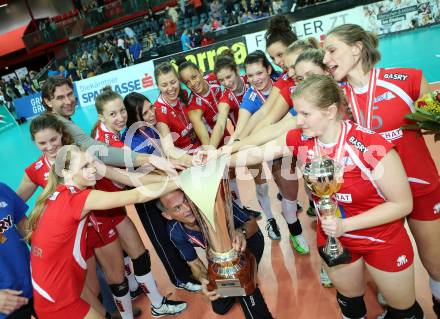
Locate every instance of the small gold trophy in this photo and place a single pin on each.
(207, 189)
(324, 177)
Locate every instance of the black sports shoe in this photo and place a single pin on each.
(251, 212)
(272, 229)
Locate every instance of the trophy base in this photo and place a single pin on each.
(343, 258)
(235, 277)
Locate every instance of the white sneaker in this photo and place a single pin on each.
(300, 244)
(190, 286)
(272, 229)
(168, 307)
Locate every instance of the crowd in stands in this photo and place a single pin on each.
(15, 88)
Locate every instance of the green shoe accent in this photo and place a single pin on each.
(300, 244)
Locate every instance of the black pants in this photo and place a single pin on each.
(24, 312)
(254, 306)
(156, 228)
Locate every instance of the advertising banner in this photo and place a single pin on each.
(6, 119)
(29, 106)
(136, 78)
(204, 57)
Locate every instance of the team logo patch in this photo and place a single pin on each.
(304, 137)
(384, 97)
(5, 224)
(164, 110)
(395, 76)
(3, 204)
(436, 208)
(358, 144)
(38, 164)
(199, 101)
(401, 260)
(46, 176)
(252, 96)
(54, 196)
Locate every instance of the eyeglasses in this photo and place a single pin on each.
(179, 208)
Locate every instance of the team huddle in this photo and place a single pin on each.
(87, 259)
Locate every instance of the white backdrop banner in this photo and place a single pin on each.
(136, 78)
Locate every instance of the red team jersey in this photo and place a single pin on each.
(38, 171)
(234, 100)
(58, 252)
(359, 150)
(286, 85)
(208, 104)
(383, 107)
(176, 118)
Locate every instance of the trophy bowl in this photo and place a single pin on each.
(324, 177)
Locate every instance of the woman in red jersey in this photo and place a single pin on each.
(57, 230)
(372, 201)
(177, 134)
(379, 99)
(203, 101)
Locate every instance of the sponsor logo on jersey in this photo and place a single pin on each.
(252, 96)
(199, 101)
(344, 198)
(364, 129)
(111, 233)
(5, 224)
(39, 164)
(395, 76)
(36, 251)
(164, 110)
(304, 137)
(358, 144)
(72, 189)
(401, 260)
(46, 176)
(3, 204)
(54, 196)
(436, 208)
(392, 135)
(384, 97)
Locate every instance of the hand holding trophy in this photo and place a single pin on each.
(324, 177)
(230, 272)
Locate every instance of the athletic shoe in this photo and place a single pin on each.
(300, 244)
(299, 208)
(272, 229)
(251, 212)
(381, 300)
(136, 293)
(136, 313)
(168, 307)
(190, 286)
(325, 280)
(311, 210)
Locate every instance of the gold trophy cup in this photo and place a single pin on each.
(229, 272)
(324, 177)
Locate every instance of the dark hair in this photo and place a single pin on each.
(49, 87)
(351, 34)
(134, 103)
(50, 121)
(225, 60)
(165, 68)
(184, 63)
(279, 30)
(259, 56)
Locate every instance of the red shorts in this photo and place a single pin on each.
(101, 230)
(77, 309)
(394, 255)
(426, 207)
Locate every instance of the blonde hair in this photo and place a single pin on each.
(351, 34)
(302, 45)
(62, 162)
(322, 91)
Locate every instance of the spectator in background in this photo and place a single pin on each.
(277, 6)
(170, 28)
(216, 9)
(96, 66)
(135, 50)
(215, 24)
(62, 70)
(199, 7)
(19, 88)
(34, 81)
(246, 17)
(130, 33)
(186, 41)
(72, 72)
(26, 83)
(82, 68)
(103, 54)
(172, 13)
(207, 27)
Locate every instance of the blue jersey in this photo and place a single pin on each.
(144, 140)
(253, 100)
(186, 239)
(14, 253)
